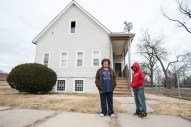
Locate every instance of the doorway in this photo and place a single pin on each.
(118, 69)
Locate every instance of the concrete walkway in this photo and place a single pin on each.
(10, 117)
(130, 120)
(37, 118)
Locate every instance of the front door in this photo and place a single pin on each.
(118, 69)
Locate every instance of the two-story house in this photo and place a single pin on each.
(73, 45)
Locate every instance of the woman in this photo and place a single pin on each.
(106, 82)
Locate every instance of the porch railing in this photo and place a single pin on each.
(126, 72)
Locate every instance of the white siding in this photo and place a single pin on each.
(88, 37)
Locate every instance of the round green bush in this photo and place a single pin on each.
(32, 78)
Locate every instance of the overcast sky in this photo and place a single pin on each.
(22, 20)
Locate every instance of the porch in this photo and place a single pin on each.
(121, 61)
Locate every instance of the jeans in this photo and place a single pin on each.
(139, 97)
(106, 101)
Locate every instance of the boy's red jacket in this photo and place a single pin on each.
(138, 77)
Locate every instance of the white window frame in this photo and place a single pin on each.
(74, 85)
(76, 65)
(69, 28)
(57, 85)
(93, 58)
(48, 58)
(60, 65)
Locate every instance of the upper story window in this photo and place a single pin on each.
(64, 59)
(46, 59)
(79, 59)
(96, 58)
(73, 27)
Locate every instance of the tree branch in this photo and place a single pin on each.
(175, 20)
(183, 10)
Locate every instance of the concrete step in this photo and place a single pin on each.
(121, 89)
(121, 77)
(121, 83)
(126, 81)
(122, 93)
(122, 86)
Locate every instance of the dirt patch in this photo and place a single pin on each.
(3, 76)
(3, 83)
(171, 106)
(87, 103)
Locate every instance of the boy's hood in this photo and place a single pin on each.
(136, 64)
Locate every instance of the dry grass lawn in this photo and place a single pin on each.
(171, 106)
(86, 103)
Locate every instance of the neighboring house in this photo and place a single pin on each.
(73, 45)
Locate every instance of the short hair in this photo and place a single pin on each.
(105, 59)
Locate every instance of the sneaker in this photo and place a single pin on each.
(101, 115)
(142, 115)
(112, 115)
(137, 113)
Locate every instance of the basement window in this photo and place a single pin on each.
(61, 85)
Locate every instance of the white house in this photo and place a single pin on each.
(73, 45)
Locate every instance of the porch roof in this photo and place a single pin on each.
(120, 42)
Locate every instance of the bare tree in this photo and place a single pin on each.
(185, 11)
(186, 58)
(151, 48)
(147, 52)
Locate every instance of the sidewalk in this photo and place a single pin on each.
(130, 120)
(10, 117)
(37, 118)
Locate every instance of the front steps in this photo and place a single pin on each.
(122, 88)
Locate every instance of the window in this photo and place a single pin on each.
(72, 26)
(96, 58)
(61, 85)
(79, 85)
(64, 59)
(46, 59)
(79, 59)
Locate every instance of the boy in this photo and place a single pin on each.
(138, 89)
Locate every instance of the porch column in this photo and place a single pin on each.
(129, 63)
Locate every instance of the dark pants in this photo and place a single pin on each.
(139, 97)
(106, 101)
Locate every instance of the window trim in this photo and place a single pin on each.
(60, 63)
(76, 65)
(48, 58)
(93, 58)
(69, 26)
(74, 79)
(57, 85)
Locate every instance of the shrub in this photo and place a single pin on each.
(32, 78)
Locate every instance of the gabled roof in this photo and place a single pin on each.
(72, 3)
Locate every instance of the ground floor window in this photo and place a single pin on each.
(79, 85)
(61, 85)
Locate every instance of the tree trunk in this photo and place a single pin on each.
(151, 76)
(166, 83)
